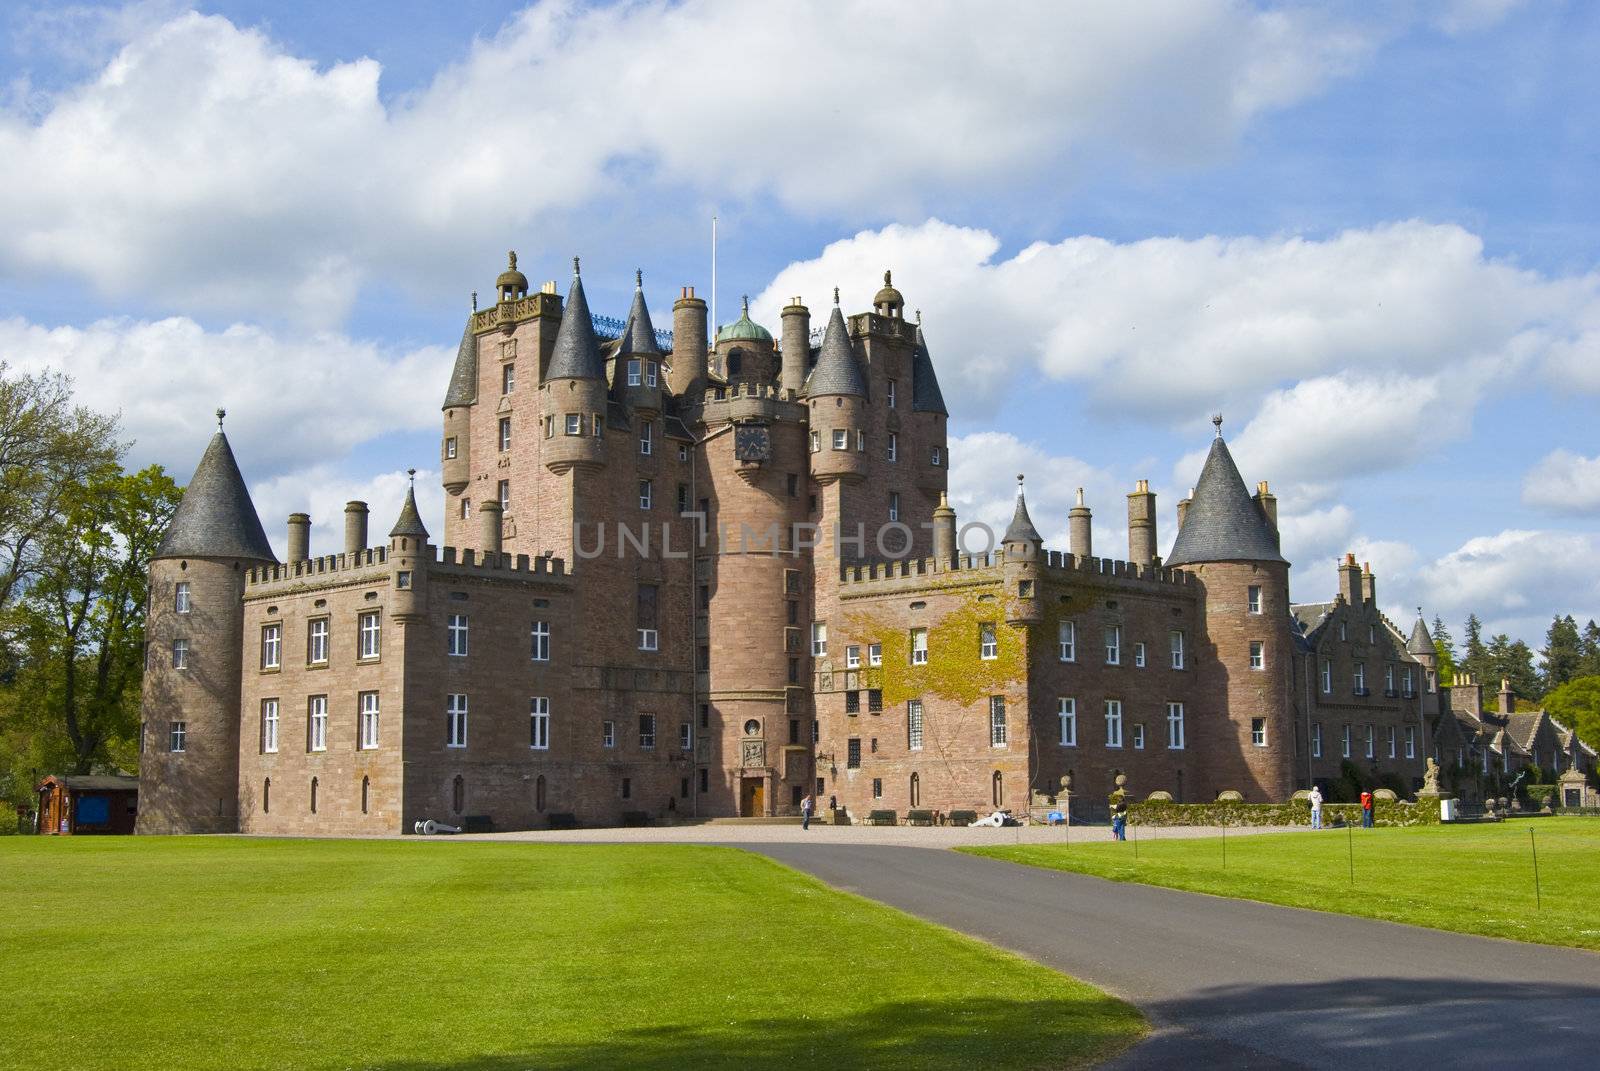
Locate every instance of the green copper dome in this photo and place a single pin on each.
(744, 328)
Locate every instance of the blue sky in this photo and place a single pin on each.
(1365, 234)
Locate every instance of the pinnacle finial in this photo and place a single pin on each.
(886, 277)
(474, 301)
(412, 473)
(638, 278)
(575, 267)
(1216, 419)
(944, 499)
(744, 305)
(919, 317)
(1019, 483)
(1080, 496)
(511, 258)
(220, 414)
(1419, 611)
(836, 295)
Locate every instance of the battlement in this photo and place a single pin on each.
(326, 565)
(336, 568)
(745, 399)
(465, 559)
(1060, 562)
(872, 323)
(515, 311)
(1059, 565)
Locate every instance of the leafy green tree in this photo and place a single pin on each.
(1576, 704)
(1475, 657)
(1512, 660)
(1563, 652)
(1589, 651)
(1445, 646)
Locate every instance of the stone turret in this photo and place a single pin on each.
(299, 542)
(837, 392)
(355, 527)
(638, 380)
(929, 417)
(455, 450)
(745, 349)
(511, 284)
(796, 351)
(1021, 547)
(688, 344)
(408, 558)
(1080, 529)
(1142, 524)
(573, 394)
(887, 301)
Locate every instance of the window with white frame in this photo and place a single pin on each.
(317, 724)
(1113, 634)
(455, 714)
(608, 734)
(652, 373)
(540, 636)
(1345, 747)
(816, 442)
(1411, 742)
(539, 723)
(647, 731)
(1138, 655)
(997, 721)
(646, 616)
(914, 724)
(1388, 677)
(505, 434)
(685, 737)
(919, 647)
(1258, 732)
(894, 447)
(1175, 726)
(456, 635)
(1258, 655)
(504, 489)
(841, 438)
(635, 373)
(177, 736)
(450, 448)
(1360, 678)
(1067, 717)
(852, 656)
(1327, 676)
(1255, 599)
(1371, 749)
(1113, 723)
(370, 634)
(369, 720)
(890, 394)
(574, 423)
(988, 644)
(1408, 682)
(1175, 638)
(874, 654)
(180, 654)
(466, 508)
(180, 597)
(317, 641)
(1393, 749)
(1316, 740)
(1067, 641)
(646, 438)
(508, 378)
(271, 646)
(1137, 732)
(269, 725)
(646, 494)
(894, 505)
(861, 441)
(819, 639)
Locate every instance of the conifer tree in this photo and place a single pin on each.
(1589, 651)
(1444, 646)
(1563, 652)
(1475, 657)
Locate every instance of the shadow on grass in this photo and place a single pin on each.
(1375, 1022)
(989, 1033)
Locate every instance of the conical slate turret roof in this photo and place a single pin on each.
(216, 518)
(1223, 524)
(640, 335)
(463, 389)
(577, 354)
(1021, 529)
(837, 371)
(925, 394)
(410, 521)
(1420, 642)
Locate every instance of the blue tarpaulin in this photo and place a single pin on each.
(93, 810)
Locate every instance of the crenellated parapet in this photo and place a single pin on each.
(1056, 566)
(372, 564)
(328, 567)
(509, 313)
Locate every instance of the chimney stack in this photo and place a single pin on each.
(1142, 524)
(1267, 502)
(355, 527)
(1183, 508)
(1369, 585)
(1080, 530)
(1350, 581)
(299, 537)
(944, 534)
(688, 343)
(1508, 701)
(489, 517)
(796, 353)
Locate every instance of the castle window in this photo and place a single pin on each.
(314, 787)
(1175, 638)
(1258, 732)
(317, 641)
(505, 496)
(852, 656)
(271, 646)
(1371, 750)
(877, 788)
(266, 796)
(646, 494)
(852, 702)
(574, 423)
(180, 597)
(647, 731)
(1345, 742)
(180, 654)
(598, 425)
(1113, 636)
(1433, 681)
(894, 447)
(1392, 737)
(1138, 655)
(369, 720)
(177, 736)
(539, 723)
(1175, 726)
(505, 434)
(988, 644)
(635, 373)
(1372, 634)
(608, 734)
(455, 717)
(997, 788)
(1411, 743)
(402, 579)
(508, 378)
(450, 448)
(874, 700)
(916, 791)
(1113, 723)
(1067, 641)
(370, 633)
(539, 794)
(683, 498)
(652, 372)
(317, 723)
(841, 438)
(819, 639)
(919, 647)
(1316, 740)
(914, 725)
(1408, 682)
(1360, 678)
(861, 441)
(937, 457)
(852, 753)
(1343, 634)
(627, 788)
(891, 399)
(458, 794)
(466, 508)
(997, 721)
(874, 654)
(1138, 736)
(456, 635)
(1327, 676)
(1255, 599)
(816, 441)
(1258, 655)
(735, 363)
(816, 731)
(792, 483)
(1388, 679)
(1067, 717)
(645, 617)
(366, 794)
(894, 505)
(541, 641)
(686, 735)
(646, 437)
(269, 726)
(549, 426)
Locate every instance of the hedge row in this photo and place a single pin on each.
(1293, 813)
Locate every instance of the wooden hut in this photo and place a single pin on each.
(86, 803)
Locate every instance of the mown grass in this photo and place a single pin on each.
(233, 953)
(1472, 879)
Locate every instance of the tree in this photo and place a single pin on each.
(1589, 651)
(80, 624)
(1505, 659)
(1444, 646)
(1563, 652)
(1576, 704)
(1475, 657)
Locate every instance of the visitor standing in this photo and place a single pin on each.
(1119, 819)
(1316, 807)
(805, 813)
(1366, 809)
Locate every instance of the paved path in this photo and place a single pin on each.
(1232, 984)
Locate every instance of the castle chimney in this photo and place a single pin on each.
(489, 518)
(1080, 529)
(944, 533)
(688, 343)
(355, 527)
(1369, 585)
(1508, 701)
(299, 537)
(1183, 508)
(1267, 503)
(796, 346)
(1350, 581)
(1142, 524)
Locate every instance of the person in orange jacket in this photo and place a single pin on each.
(1366, 809)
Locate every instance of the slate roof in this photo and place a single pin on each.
(410, 521)
(1420, 642)
(95, 782)
(836, 371)
(639, 337)
(463, 389)
(925, 394)
(577, 353)
(216, 518)
(1223, 524)
(1021, 529)
(1311, 615)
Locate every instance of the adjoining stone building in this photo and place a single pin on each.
(694, 575)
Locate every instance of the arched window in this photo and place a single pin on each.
(538, 794)
(998, 785)
(266, 796)
(916, 790)
(313, 795)
(458, 796)
(735, 363)
(366, 789)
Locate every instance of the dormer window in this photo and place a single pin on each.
(635, 372)
(651, 373)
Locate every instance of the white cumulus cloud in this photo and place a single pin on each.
(1564, 482)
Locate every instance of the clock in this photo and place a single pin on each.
(752, 442)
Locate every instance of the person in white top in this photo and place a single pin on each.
(1316, 807)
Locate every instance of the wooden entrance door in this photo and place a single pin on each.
(752, 797)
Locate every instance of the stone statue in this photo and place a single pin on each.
(1430, 779)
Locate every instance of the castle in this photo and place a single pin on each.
(685, 576)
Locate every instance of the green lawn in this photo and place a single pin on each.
(234, 953)
(1474, 879)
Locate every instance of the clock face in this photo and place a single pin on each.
(751, 442)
